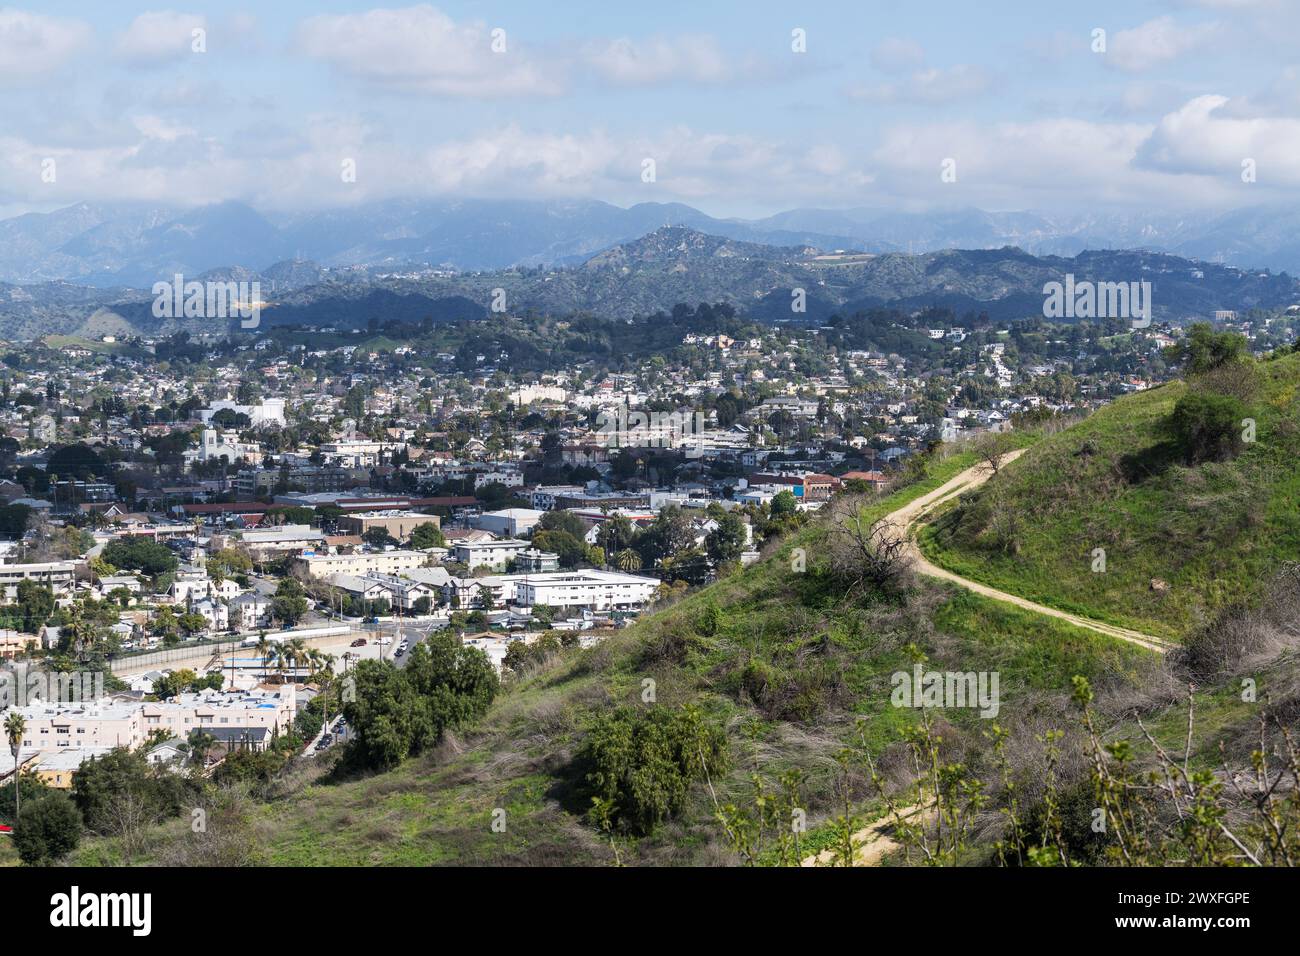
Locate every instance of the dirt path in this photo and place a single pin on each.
(908, 519)
(870, 844)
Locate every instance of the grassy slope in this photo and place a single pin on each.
(788, 668)
(91, 345)
(1214, 532)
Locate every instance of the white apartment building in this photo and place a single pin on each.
(270, 543)
(361, 565)
(193, 584)
(543, 496)
(55, 726)
(598, 590)
(216, 444)
(511, 479)
(527, 394)
(355, 453)
(399, 592)
(487, 554)
(59, 575)
(466, 593)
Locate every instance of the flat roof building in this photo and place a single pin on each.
(362, 563)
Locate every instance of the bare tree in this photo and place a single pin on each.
(130, 814)
(992, 447)
(866, 554)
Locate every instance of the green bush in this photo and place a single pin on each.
(1204, 349)
(32, 790)
(398, 713)
(103, 782)
(48, 830)
(140, 554)
(1207, 427)
(640, 763)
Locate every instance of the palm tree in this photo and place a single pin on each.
(297, 652)
(263, 649)
(628, 560)
(200, 742)
(322, 670)
(280, 654)
(15, 727)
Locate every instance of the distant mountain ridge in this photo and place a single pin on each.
(667, 266)
(136, 244)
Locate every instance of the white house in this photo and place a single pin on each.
(487, 554)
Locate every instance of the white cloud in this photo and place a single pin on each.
(655, 60)
(32, 45)
(1156, 42)
(159, 37)
(421, 49)
(1018, 165)
(929, 87)
(155, 127)
(168, 162)
(1203, 138)
(897, 55)
(690, 165)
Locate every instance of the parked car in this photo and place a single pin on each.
(359, 642)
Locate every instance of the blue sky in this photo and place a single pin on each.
(113, 103)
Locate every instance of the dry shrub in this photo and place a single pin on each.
(1239, 380)
(1240, 639)
(865, 556)
(228, 836)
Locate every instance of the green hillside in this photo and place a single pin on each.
(769, 693)
(790, 666)
(1213, 532)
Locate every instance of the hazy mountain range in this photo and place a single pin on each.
(670, 265)
(135, 245)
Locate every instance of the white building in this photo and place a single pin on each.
(59, 575)
(510, 522)
(54, 726)
(250, 610)
(487, 554)
(215, 444)
(599, 590)
(270, 543)
(374, 562)
(269, 411)
(543, 496)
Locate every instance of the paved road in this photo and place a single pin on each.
(413, 634)
(908, 519)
